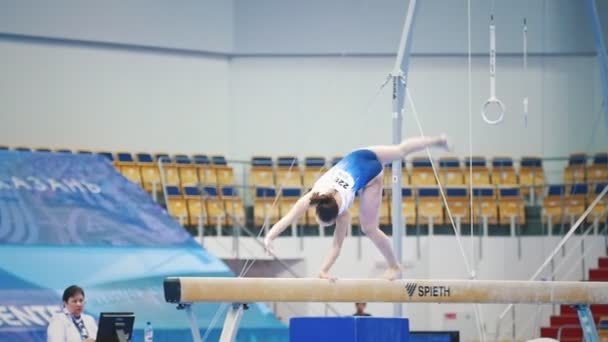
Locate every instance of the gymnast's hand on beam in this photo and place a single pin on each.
(325, 275)
(393, 273)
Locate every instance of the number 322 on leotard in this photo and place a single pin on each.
(343, 179)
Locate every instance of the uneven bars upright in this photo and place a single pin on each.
(399, 78)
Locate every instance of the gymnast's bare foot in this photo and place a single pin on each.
(393, 273)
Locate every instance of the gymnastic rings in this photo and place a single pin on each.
(501, 111)
(493, 99)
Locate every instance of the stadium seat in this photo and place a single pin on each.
(480, 171)
(128, 167)
(511, 204)
(388, 176)
(289, 196)
(575, 172)
(235, 209)
(187, 172)
(207, 175)
(223, 171)
(288, 172)
(553, 204)
(485, 204)
(108, 155)
(313, 169)
(598, 171)
(176, 205)
(42, 149)
(450, 171)
(196, 207)
(265, 210)
(531, 176)
(216, 215)
(459, 202)
(354, 212)
(599, 211)
(408, 206)
(429, 205)
(422, 172)
(150, 174)
(503, 172)
(575, 202)
(168, 170)
(385, 210)
(262, 173)
(22, 149)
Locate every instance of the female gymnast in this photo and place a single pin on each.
(334, 192)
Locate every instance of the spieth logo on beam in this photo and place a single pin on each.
(427, 291)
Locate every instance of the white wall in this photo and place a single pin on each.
(118, 100)
(328, 106)
(191, 24)
(188, 102)
(370, 26)
(440, 258)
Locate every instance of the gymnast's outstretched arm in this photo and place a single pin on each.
(298, 209)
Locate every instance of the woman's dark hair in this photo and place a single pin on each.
(327, 207)
(71, 292)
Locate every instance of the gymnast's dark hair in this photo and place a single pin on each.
(327, 207)
(71, 292)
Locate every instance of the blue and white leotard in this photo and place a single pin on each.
(349, 175)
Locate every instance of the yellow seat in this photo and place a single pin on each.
(313, 169)
(168, 170)
(176, 205)
(575, 172)
(422, 172)
(206, 174)
(265, 210)
(480, 171)
(150, 174)
(553, 204)
(511, 204)
(598, 172)
(503, 172)
(388, 176)
(288, 198)
(187, 171)
(485, 204)
(288, 173)
(233, 203)
(599, 211)
(575, 202)
(408, 206)
(459, 202)
(531, 175)
(224, 173)
(354, 212)
(128, 167)
(451, 172)
(197, 211)
(429, 205)
(216, 213)
(262, 173)
(385, 211)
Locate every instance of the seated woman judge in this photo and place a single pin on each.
(72, 324)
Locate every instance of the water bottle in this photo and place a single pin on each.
(148, 333)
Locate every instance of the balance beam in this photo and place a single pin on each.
(248, 290)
